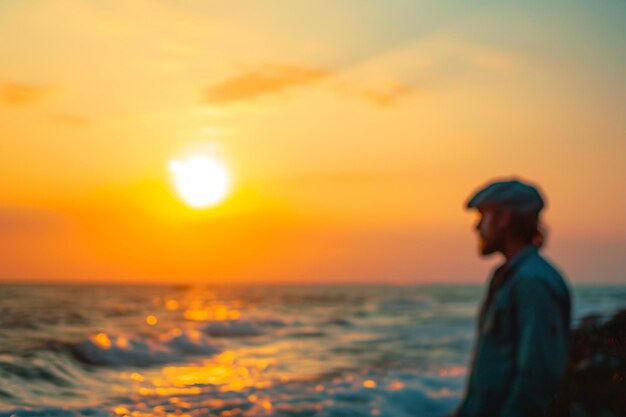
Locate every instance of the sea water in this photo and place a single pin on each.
(69, 350)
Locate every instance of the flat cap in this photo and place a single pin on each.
(512, 194)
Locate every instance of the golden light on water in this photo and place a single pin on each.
(396, 385)
(242, 378)
(200, 181)
(198, 315)
(453, 371)
(369, 383)
(122, 342)
(219, 313)
(102, 340)
(137, 377)
(121, 410)
(226, 371)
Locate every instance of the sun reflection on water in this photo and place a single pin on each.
(225, 372)
(102, 340)
(254, 376)
(218, 313)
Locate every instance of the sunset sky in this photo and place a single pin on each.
(353, 131)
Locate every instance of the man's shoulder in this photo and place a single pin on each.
(536, 265)
(539, 272)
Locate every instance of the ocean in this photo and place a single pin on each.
(71, 350)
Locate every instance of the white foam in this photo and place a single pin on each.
(398, 394)
(414, 402)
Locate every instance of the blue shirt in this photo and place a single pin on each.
(521, 350)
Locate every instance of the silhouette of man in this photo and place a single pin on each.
(521, 349)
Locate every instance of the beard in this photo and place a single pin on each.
(488, 246)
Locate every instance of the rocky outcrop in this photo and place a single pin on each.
(595, 384)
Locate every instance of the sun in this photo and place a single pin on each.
(201, 181)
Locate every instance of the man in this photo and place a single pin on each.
(523, 326)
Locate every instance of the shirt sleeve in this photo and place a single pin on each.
(540, 348)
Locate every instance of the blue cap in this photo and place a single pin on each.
(511, 194)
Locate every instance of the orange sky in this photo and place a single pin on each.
(354, 132)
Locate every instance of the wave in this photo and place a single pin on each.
(339, 321)
(272, 321)
(106, 349)
(16, 318)
(30, 372)
(119, 350)
(57, 412)
(305, 333)
(232, 328)
(401, 394)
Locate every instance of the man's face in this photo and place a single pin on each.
(490, 227)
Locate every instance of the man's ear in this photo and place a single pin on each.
(504, 218)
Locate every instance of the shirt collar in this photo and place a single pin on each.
(521, 256)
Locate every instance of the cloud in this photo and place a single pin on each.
(426, 65)
(265, 80)
(68, 119)
(385, 96)
(437, 62)
(270, 79)
(16, 94)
